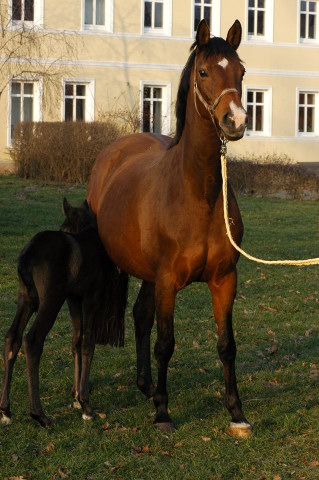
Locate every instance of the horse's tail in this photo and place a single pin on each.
(110, 325)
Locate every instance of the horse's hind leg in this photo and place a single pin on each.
(144, 311)
(33, 345)
(223, 294)
(13, 341)
(75, 309)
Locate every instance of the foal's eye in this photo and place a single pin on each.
(203, 73)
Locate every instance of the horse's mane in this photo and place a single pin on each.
(215, 46)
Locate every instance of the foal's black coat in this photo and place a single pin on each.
(53, 267)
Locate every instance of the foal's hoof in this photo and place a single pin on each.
(165, 427)
(5, 419)
(87, 417)
(76, 404)
(240, 430)
(42, 419)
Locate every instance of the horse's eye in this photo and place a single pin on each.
(203, 73)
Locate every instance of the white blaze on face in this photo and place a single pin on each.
(238, 114)
(223, 63)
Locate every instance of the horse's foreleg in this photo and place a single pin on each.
(33, 345)
(144, 311)
(13, 341)
(223, 294)
(165, 292)
(75, 310)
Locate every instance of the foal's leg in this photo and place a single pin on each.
(144, 311)
(87, 352)
(223, 294)
(33, 345)
(13, 341)
(75, 309)
(165, 292)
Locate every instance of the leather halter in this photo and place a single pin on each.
(210, 108)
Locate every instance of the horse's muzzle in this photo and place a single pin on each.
(233, 124)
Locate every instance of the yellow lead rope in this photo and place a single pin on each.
(309, 261)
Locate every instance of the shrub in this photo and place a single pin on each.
(60, 151)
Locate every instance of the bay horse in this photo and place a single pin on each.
(159, 209)
(55, 266)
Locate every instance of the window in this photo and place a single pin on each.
(26, 11)
(155, 108)
(24, 104)
(78, 103)
(260, 20)
(309, 20)
(157, 17)
(98, 15)
(258, 107)
(202, 9)
(308, 113)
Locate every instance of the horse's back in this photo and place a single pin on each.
(114, 157)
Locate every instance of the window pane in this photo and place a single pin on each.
(28, 88)
(68, 109)
(208, 1)
(158, 15)
(157, 93)
(303, 25)
(157, 117)
(80, 109)
(15, 110)
(251, 22)
(16, 88)
(261, 3)
(301, 119)
(146, 116)
(147, 92)
(88, 20)
(250, 117)
(312, 6)
(259, 97)
(207, 13)
(16, 9)
(80, 90)
(260, 23)
(147, 15)
(252, 3)
(311, 99)
(250, 97)
(301, 98)
(29, 10)
(28, 109)
(312, 26)
(100, 12)
(259, 118)
(197, 18)
(68, 89)
(310, 119)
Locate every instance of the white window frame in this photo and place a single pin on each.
(109, 13)
(308, 40)
(269, 24)
(315, 91)
(215, 17)
(89, 97)
(267, 124)
(37, 101)
(38, 17)
(166, 30)
(166, 103)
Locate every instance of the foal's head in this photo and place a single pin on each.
(217, 75)
(77, 219)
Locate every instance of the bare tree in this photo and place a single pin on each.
(29, 50)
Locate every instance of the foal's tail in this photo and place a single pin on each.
(110, 325)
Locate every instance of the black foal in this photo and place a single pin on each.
(55, 266)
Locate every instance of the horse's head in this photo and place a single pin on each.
(77, 219)
(218, 75)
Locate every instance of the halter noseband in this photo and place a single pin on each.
(210, 108)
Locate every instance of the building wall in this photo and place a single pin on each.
(118, 61)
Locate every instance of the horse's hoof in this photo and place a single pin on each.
(87, 417)
(5, 420)
(241, 430)
(42, 419)
(165, 427)
(76, 404)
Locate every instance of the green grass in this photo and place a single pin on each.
(277, 334)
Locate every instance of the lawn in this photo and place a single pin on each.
(277, 334)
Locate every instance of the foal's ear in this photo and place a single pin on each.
(234, 35)
(66, 207)
(203, 34)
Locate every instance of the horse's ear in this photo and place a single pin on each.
(203, 34)
(234, 35)
(66, 207)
